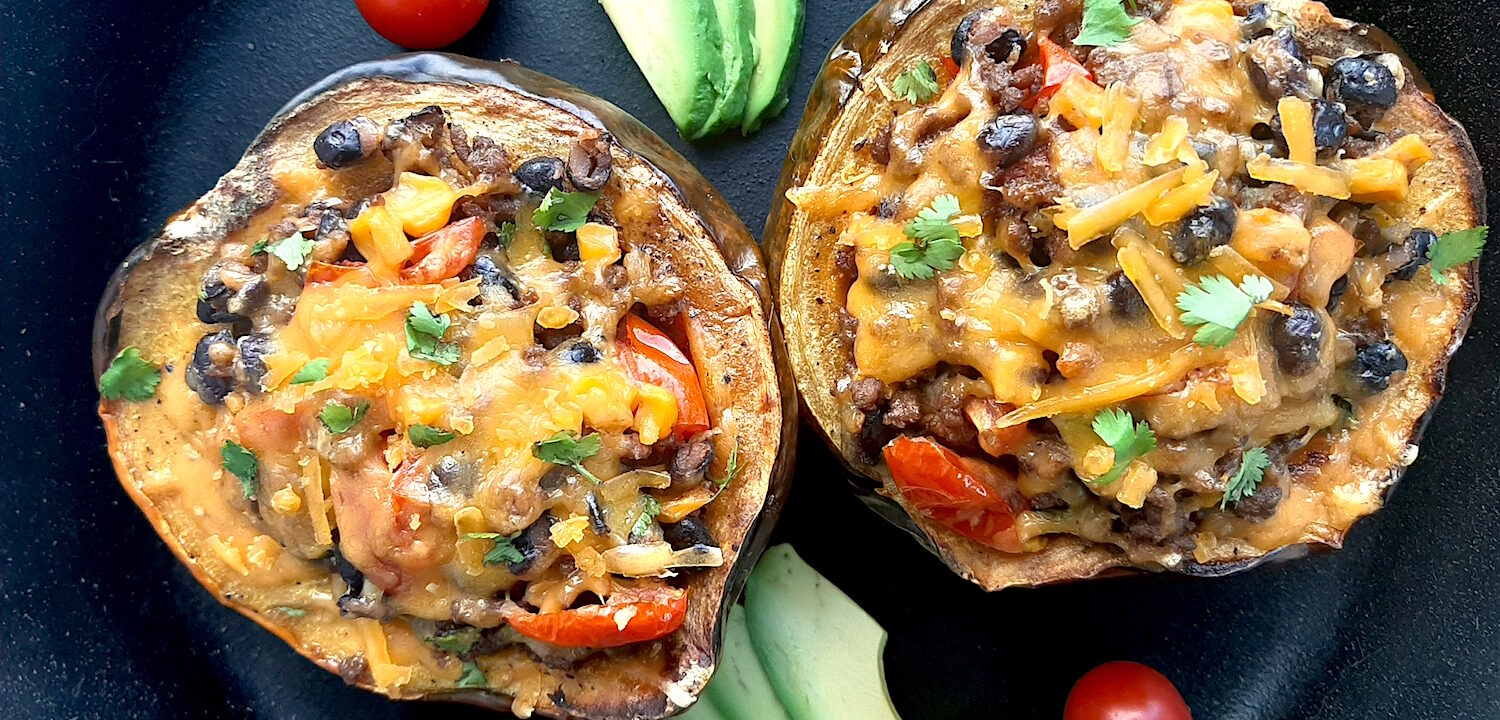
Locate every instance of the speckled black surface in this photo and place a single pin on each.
(117, 114)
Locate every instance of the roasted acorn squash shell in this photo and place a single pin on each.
(150, 303)
(845, 106)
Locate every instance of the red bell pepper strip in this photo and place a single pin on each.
(650, 356)
(970, 497)
(630, 616)
(444, 252)
(1057, 66)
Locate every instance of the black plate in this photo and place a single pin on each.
(116, 116)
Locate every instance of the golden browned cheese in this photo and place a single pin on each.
(1167, 121)
(403, 514)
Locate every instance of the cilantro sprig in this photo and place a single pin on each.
(934, 245)
(293, 250)
(242, 464)
(473, 677)
(731, 469)
(1252, 470)
(506, 234)
(569, 450)
(917, 85)
(458, 641)
(338, 417)
(648, 515)
(129, 376)
(424, 334)
(1128, 438)
(426, 435)
(564, 211)
(312, 371)
(1105, 23)
(504, 552)
(1216, 306)
(1455, 248)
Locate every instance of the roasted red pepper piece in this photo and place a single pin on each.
(445, 252)
(650, 356)
(1057, 66)
(971, 497)
(630, 616)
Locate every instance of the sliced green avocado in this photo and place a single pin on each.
(778, 37)
(677, 45)
(736, 18)
(821, 651)
(740, 689)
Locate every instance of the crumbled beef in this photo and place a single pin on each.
(551, 338)
(867, 393)
(1029, 184)
(843, 262)
(690, 464)
(1260, 504)
(1160, 521)
(1048, 501)
(355, 669)
(905, 410)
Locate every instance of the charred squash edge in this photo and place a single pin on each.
(247, 189)
(882, 32)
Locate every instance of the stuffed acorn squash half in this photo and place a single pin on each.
(462, 383)
(1082, 286)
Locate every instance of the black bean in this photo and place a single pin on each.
(1204, 229)
(1006, 49)
(1257, 22)
(1336, 292)
(689, 532)
(1374, 364)
(1124, 299)
(1414, 249)
(209, 373)
(1298, 340)
(1008, 138)
(596, 514)
(958, 47)
(345, 143)
(580, 352)
(1364, 85)
(533, 543)
(1330, 129)
(249, 364)
(590, 164)
(1279, 68)
(538, 175)
(690, 464)
(497, 284)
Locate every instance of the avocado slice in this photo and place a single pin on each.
(676, 43)
(740, 689)
(736, 18)
(778, 38)
(821, 651)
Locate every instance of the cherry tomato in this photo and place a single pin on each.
(631, 615)
(1057, 66)
(650, 356)
(445, 252)
(422, 24)
(969, 496)
(1125, 691)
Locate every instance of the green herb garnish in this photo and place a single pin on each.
(935, 244)
(289, 611)
(426, 435)
(648, 515)
(1105, 22)
(1253, 466)
(457, 641)
(242, 464)
(292, 250)
(312, 371)
(129, 376)
(1455, 248)
(1218, 306)
(731, 469)
(473, 677)
(565, 448)
(564, 211)
(424, 332)
(505, 551)
(1128, 438)
(506, 234)
(338, 417)
(916, 85)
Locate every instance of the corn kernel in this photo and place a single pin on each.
(286, 501)
(599, 243)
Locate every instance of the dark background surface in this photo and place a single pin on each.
(116, 115)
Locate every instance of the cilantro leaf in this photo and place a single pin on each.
(565, 448)
(1218, 306)
(1104, 23)
(290, 611)
(731, 469)
(917, 85)
(564, 211)
(338, 417)
(1252, 470)
(424, 330)
(260, 246)
(242, 464)
(1455, 248)
(648, 515)
(473, 677)
(1129, 440)
(505, 551)
(935, 222)
(129, 376)
(426, 435)
(506, 234)
(313, 371)
(292, 250)
(935, 244)
(457, 641)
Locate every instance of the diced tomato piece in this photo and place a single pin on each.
(630, 616)
(343, 273)
(969, 496)
(650, 356)
(443, 253)
(1057, 66)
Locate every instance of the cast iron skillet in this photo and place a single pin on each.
(117, 116)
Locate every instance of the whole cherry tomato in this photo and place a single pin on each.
(1125, 691)
(422, 24)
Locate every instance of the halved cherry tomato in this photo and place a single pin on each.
(1057, 66)
(445, 252)
(422, 24)
(650, 356)
(1125, 691)
(630, 616)
(971, 497)
(950, 66)
(343, 273)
